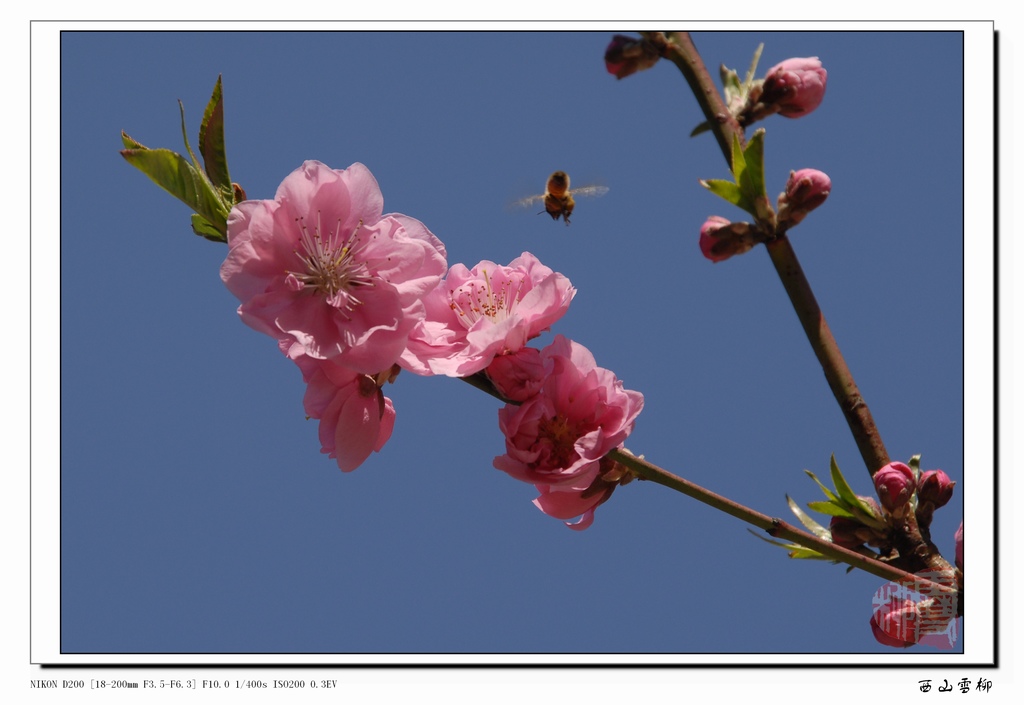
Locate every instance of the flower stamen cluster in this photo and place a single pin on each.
(331, 267)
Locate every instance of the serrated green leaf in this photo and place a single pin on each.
(728, 191)
(172, 172)
(831, 508)
(846, 494)
(202, 227)
(738, 163)
(794, 550)
(184, 136)
(130, 143)
(752, 182)
(809, 554)
(211, 142)
(814, 527)
(827, 491)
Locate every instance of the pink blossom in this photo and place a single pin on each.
(519, 375)
(582, 498)
(355, 416)
(796, 86)
(477, 314)
(557, 438)
(321, 267)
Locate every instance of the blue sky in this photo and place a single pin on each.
(197, 514)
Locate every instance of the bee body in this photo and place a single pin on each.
(558, 199)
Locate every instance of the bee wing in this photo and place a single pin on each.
(589, 191)
(528, 201)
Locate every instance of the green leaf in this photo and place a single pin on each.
(730, 85)
(700, 129)
(795, 550)
(808, 553)
(211, 143)
(846, 494)
(814, 527)
(827, 491)
(832, 509)
(184, 136)
(915, 466)
(752, 71)
(130, 143)
(172, 172)
(202, 227)
(752, 181)
(729, 191)
(739, 165)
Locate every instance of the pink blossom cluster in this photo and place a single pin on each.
(340, 286)
(353, 296)
(558, 437)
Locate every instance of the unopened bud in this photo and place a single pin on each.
(894, 484)
(806, 190)
(720, 239)
(846, 532)
(795, 86)
(626, 55)
(935, 488)
(896, 623)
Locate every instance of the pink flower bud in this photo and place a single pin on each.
(935, 488)
(959, 538)
(896, 623)
(806, 190)
(626, 55)
(795, 86)
(720, 239)
(894, 484)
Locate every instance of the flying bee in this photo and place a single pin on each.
(558, 199)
